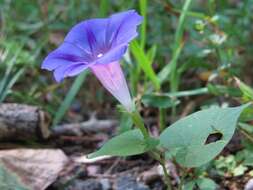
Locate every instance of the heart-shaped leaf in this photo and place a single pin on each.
(199, 137)
(126, 144)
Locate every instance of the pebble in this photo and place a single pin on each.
(89, 184)
(129, 183)
(249, 185)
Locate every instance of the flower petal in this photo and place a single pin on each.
(112, 78)
(122, 27)
(64, 55)
(68, 70)
(96, 43)
(114, 54)
(90, 35)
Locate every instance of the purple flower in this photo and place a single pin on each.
(97, 44)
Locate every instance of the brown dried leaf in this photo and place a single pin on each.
(56, 38)
(35, 169)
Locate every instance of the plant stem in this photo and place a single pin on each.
(162, 122)
(166, 174)
(246, 134)
(181, 183)
(137, 120)
(156, 154)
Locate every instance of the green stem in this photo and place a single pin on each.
(137, 120)
(194, 92)
(162, 118)
(246, 134)
(166, 174)
(182, 178)
(156, 154)
(181, 183)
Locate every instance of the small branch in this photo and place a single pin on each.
(91, 126)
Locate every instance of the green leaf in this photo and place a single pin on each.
(159, 101)
(126, 144)
(126, 123)
(246, 90)
(239, 170)
(188, 136)
(189, 185)
(144, 63)
(206, 184)
(247, 114)
(245, 157)
(201, 183)
(151, 53)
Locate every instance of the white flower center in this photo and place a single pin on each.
(99, 55)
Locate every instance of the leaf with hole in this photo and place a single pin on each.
(199, 137)
(126, 144)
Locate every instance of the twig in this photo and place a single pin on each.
(90, 126)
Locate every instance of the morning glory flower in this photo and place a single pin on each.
(98, 45)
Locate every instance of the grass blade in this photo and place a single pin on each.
(69, 98)
(144, 63)
(143, 10)
(10, 84)
(171, 68)
(103, 8)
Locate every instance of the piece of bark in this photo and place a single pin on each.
(22, 122)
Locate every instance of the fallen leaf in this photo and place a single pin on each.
(30, 169)
(56, 38)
